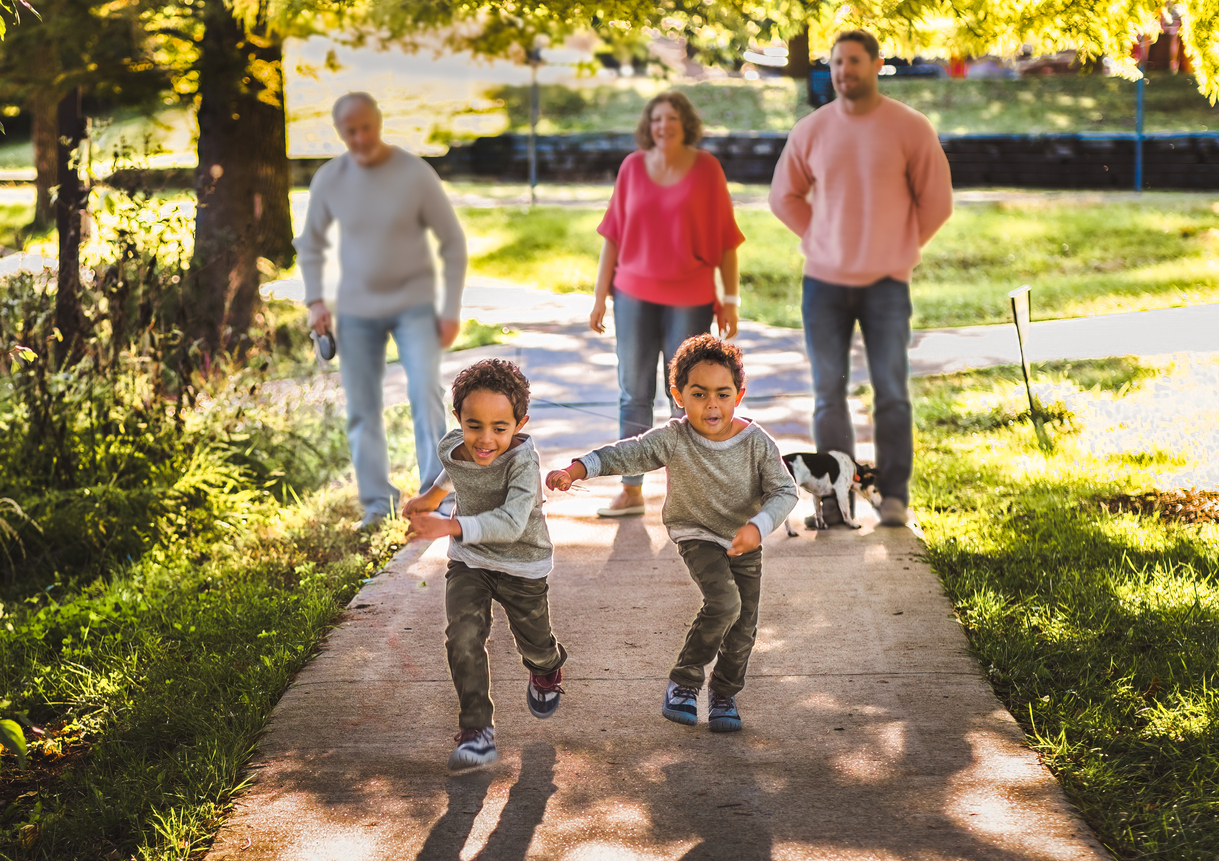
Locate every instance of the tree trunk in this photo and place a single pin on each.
(46, 156)
(798, 63)
(269, 150)
(224, 290)
(69, 318)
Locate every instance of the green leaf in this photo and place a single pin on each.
(13, 738)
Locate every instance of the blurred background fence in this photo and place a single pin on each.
(1084, 160)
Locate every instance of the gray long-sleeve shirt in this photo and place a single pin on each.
(499, 508)
(714, 487)
(384, 213)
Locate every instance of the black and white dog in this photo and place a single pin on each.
(823, 473)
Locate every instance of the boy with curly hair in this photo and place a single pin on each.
(727, 489)
(499, 549)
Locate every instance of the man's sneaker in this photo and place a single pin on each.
(475, 746)
(369, 523)
(893, 512)
(680, 704)
(543, 693)
(722, 714)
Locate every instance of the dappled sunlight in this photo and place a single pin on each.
(601, 850)
(342, 841)
(996, 806)
(1176, 413)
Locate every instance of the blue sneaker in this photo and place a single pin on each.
(475, 746)
(721, 713)
(543, 693)
(680, 704)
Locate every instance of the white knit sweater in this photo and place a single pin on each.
(384, 213)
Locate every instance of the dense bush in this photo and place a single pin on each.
(135, 438)
(163, 571)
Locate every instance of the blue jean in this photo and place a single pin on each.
(883, 311)
(647, 332)
(361, 343)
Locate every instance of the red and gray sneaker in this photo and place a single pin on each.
(475, 746)
(543, 693)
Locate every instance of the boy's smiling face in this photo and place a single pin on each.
(710, 398)
(487, 425)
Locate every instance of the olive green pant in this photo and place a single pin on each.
(468, 594)
(727, 625)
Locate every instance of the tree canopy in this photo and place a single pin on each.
(719, 29)
(979, 27)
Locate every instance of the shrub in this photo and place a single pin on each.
(134, 438)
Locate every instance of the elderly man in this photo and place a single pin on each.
(864, 183)
(385, 200)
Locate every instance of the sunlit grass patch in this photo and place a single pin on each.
(554, 248)
(1082, 257)
(1098, 628)
(158, 679)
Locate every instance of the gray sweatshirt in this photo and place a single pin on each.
(714, 488)
(384, 213)
(499, 507)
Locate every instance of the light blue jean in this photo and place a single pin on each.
(647, 332)
(883, 311)
(361, 343)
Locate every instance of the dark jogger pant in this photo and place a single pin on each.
(468, 594)
(727, 625)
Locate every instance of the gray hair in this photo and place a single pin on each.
(342, 102)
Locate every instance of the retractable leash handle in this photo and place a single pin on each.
(324, 345)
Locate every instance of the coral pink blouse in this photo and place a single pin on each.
(670, 237)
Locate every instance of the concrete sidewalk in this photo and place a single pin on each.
(870, 731)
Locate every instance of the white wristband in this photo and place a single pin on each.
(731, 300)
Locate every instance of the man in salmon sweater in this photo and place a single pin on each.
(864, 183)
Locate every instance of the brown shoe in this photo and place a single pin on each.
(625, 504)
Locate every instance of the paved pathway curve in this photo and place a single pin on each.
(870, 732)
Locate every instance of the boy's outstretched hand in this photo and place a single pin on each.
(424, 525)
(559, 479)
(747, 538)
(562, 479)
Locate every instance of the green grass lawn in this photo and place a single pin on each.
(1065, 103)
(1097, 627)
(151, 682)
(1082, 255)
(151, 685)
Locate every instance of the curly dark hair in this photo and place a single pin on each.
(493, 375)
(691, 125)
(706, 348)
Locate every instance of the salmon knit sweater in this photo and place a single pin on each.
(863, 193)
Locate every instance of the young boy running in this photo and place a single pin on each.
(499, 549)
(727, 488)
